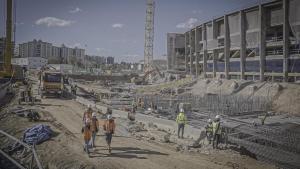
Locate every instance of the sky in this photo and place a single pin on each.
(111, 27)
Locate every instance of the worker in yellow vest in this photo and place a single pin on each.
(216, 131)
(181, 121)
(209, 130)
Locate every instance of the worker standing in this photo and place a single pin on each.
(86, 130)
(87, 114)
(181, 121)
(94, 128)
(209, 130)
(216, 131)
(109, 128)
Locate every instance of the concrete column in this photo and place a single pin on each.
(226, 46)
(185, 52)
(204, 50)
(262, 42)
(285, 39)
(243, 44)
(215, 56)
(196, 52)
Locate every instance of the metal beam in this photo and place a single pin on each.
(12, 160)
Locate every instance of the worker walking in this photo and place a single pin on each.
(181, 121)
(209, 130)
(216, 131)
(87, 114)
(86, 131)
(94, 128)
(109, 128)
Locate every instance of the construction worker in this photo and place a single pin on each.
(75, 89)
(181, 121)
(109, 128)
(86, 130)
(216, 131)
(108, 111)
(94, 128)
(209, 130)
(87, 114)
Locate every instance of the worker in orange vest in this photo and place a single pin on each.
(87, 114)
(94, 128)
(109, 128)
(87, 134)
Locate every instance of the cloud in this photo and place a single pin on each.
(53, 22)
(76, 10)
(190, 23)
(197, 11)
(76, 45)
(117, 25)
(19, 23)
(100, 49)
(131, 55)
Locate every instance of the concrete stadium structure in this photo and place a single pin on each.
(256, 43)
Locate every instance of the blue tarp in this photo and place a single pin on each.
(37, 134)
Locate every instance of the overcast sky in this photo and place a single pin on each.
(111, 27)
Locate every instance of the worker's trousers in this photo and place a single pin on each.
(180, 128)
(108, 138)
(86, 146)
(216, 140)
(94, 133)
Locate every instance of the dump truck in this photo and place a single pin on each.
(52, 83)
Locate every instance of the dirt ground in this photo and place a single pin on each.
(65, 149)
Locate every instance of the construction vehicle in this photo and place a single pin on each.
(52, 83)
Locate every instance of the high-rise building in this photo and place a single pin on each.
(35, 49)
(110, 60)
(55, 57)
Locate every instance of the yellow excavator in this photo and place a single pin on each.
(6, 71)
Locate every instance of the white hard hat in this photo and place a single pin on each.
(209, 120)
(94, 114)
(109, 117)
(217, 116)
(181, 110)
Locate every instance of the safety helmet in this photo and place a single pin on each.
(109, 117)
(181, 110)
(218, 117)
(209, 121)
(94, 114)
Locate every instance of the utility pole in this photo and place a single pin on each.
(149, 36)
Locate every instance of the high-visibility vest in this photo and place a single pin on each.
(216, 127)
(87, 133)
(109, 126)
(209, 127)
(181, 118)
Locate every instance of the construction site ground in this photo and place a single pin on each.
(65, 149)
